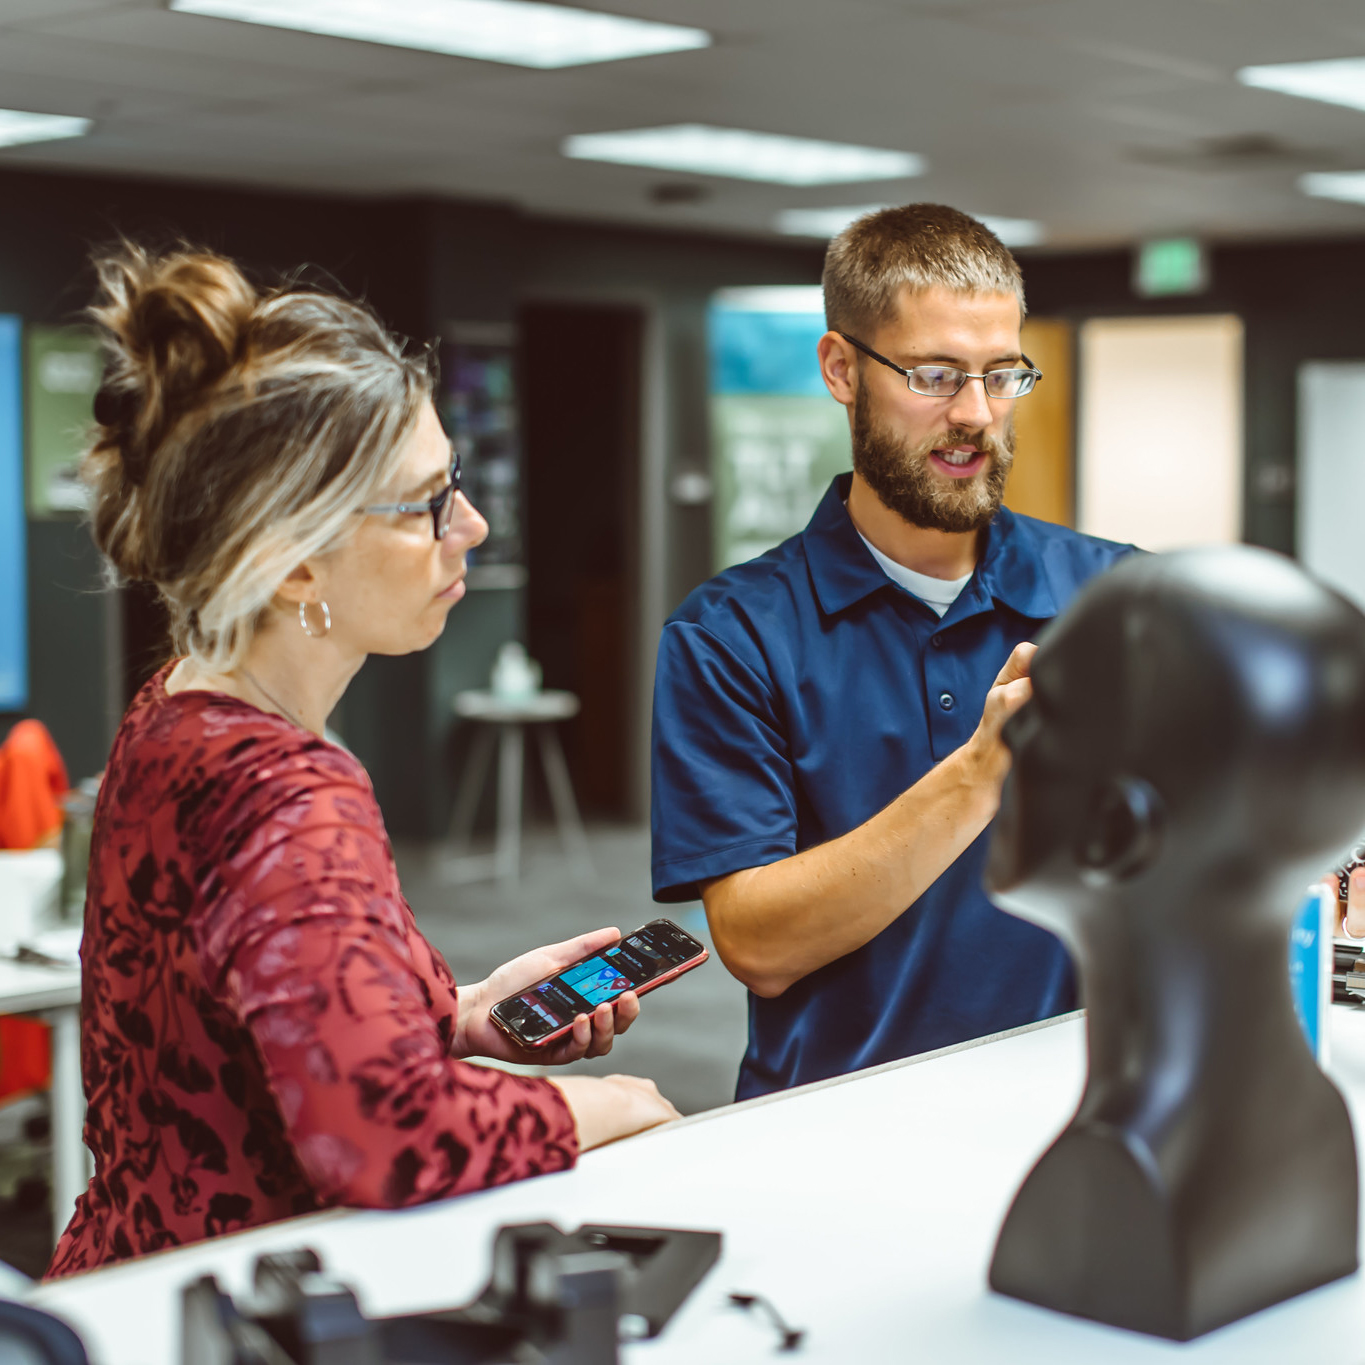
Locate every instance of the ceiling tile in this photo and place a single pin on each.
(1107, 122)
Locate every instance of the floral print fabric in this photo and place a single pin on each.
(265, 1031)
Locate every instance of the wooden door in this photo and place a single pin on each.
(1042, 483)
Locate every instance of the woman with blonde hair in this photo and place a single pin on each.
(264, 1029)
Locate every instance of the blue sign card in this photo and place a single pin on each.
(13, 579)
(1310, 966)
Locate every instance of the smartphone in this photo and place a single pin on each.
(654, 954)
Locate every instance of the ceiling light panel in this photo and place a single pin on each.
(1013, 231)
(18, 127)
(517, 32)
(1347, 186)
(744, 155)
(829, 222)
(822, 222)
(1337, 81)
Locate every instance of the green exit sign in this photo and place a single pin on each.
(1174, 265)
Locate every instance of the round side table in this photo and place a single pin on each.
(502, 722)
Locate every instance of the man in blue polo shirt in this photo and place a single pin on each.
(827, 717)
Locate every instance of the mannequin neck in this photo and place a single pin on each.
(1197, 997)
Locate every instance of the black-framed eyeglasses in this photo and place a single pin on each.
(441, 506)
(943, 381)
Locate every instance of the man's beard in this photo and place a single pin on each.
(902, 478)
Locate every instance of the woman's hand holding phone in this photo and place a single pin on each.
(592, 1035)
(604, 1108)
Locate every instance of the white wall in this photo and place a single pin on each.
(1331, 473)
(1160, 452)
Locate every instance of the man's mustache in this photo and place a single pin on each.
(982, 440)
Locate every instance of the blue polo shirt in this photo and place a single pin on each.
(796, 696)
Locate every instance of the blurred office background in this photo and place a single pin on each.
(614, 233)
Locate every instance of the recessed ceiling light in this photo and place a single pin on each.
(519, 32)
(829, 222)
(823, 223)
(1013, 231)
(18, 127)
(705, 150)
(1348, 186)
(1340, 80)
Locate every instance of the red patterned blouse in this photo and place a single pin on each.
(264, 1030)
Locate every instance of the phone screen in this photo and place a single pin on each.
(636, 960)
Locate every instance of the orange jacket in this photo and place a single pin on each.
(32, 784)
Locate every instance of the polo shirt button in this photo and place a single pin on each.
(946, 701)
(936, 641)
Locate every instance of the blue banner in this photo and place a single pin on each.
(13, 578)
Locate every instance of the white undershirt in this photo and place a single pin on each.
(938, 594)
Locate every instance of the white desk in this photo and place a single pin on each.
(865, 1209)
(54, 993)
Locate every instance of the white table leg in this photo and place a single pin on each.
(69, 1162)
(570, 824)
(471, 788)
(511, 753)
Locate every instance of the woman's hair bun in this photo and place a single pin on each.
(173, 326)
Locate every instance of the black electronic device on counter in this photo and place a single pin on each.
(554, 1298)
(1348, 972)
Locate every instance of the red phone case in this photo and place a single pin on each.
(643, 990)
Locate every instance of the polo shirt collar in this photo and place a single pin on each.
(1011, 571)
(841, 566)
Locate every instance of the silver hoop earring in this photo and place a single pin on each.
(326, 620)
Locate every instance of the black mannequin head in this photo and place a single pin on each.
(1193, 754)
(1198, 721)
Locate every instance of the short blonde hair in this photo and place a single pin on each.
(914, 247)
(237, 432)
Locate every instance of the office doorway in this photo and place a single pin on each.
(580, 381)
(1161, 449)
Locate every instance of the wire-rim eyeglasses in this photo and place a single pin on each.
(943, 381)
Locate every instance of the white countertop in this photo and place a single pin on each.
(26, 987)
(866, 1209)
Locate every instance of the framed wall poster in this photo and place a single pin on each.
(63, 375)
(13, 575)
(478, 405)
(777, 437)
